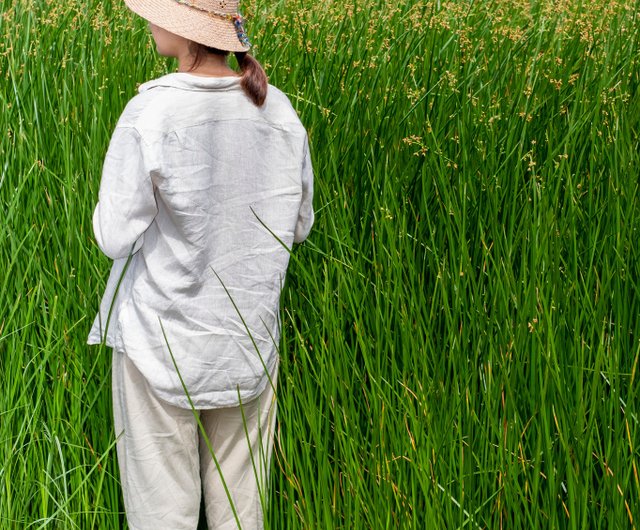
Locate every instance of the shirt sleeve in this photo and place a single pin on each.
(126, 204)
(305, 214)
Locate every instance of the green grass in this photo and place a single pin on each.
(462, 327)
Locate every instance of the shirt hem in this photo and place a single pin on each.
(217, 399)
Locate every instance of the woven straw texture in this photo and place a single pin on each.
(193, 23)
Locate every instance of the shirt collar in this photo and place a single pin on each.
(187, 81)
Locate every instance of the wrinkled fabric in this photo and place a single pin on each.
(202, 196)
(165, 462)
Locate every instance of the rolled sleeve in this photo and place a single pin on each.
(126, 204)
(305, 214)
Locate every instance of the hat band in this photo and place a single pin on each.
(236, 18)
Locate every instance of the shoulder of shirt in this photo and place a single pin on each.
(144, 111)
(277, 95)
(136, 108)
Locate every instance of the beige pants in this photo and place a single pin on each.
(165, 463)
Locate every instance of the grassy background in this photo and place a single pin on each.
(461, 330)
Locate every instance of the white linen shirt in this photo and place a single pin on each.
(201, 198)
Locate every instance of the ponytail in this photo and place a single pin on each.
(254, 80)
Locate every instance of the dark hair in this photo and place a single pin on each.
(254, 80)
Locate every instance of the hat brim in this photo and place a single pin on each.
(189, 23)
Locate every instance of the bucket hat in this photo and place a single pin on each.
(214, 23)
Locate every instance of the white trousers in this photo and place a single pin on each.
(165, 463)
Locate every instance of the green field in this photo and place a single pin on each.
(461, 330)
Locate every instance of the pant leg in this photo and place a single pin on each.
(157, 454)
(240, 459)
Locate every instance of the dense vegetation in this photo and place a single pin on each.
(461, 330)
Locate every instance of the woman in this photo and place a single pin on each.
(206, 185)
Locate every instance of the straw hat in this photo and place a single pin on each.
(215, 23)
